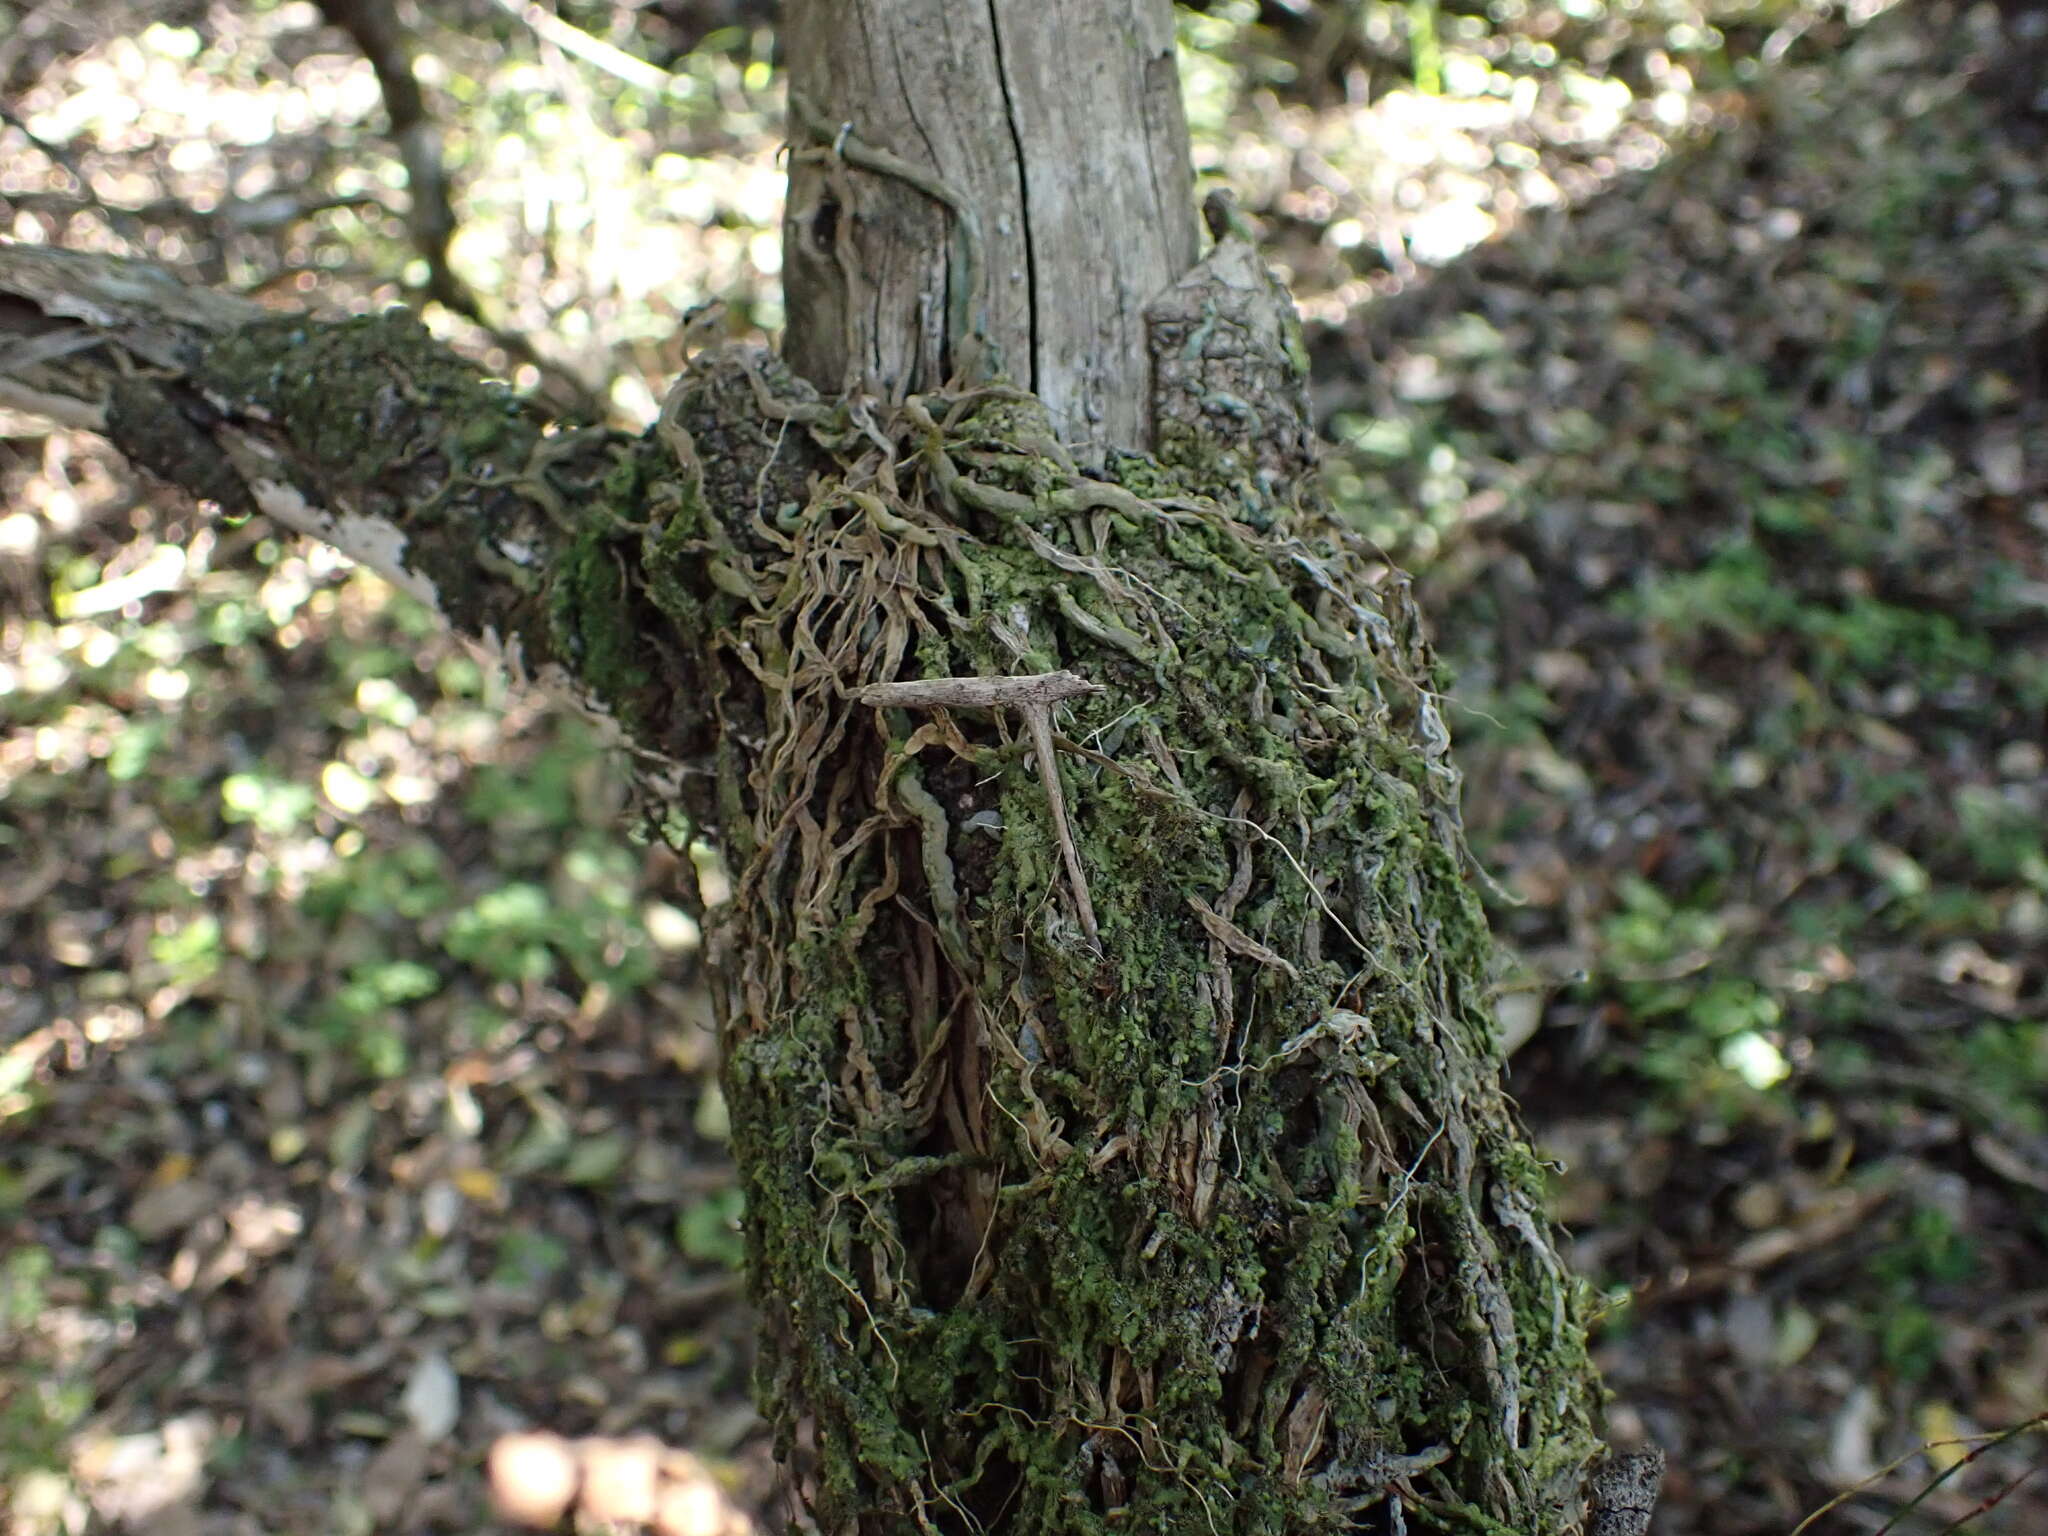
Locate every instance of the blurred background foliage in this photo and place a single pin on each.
(356, 1093)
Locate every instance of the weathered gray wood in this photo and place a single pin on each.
(1054, 130)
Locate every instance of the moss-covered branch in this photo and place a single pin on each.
(364, 432)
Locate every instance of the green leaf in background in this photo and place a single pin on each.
(134, 747)
(504, 933)
(276, 806)
(191, 952)
(709, 1229)
(528, 1260)
(595, 1159)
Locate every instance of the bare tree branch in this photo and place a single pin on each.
(375, 29)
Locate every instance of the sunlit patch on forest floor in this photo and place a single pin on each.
(1726, 492)
(355, 1101)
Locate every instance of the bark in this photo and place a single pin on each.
(364, 433)
(1046, 200)
(1105, 1008)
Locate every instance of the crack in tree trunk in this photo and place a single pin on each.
(1059, 124)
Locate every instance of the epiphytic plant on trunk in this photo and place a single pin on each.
(1104, 1000)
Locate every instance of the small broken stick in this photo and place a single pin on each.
(1033, 697)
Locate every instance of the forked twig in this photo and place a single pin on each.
(1033, 697)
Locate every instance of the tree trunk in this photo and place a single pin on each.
(1039, 198)
(1105, 1004)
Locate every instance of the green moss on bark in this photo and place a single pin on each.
(521, 532)
(1215, 1220)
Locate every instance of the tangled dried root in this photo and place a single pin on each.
(1111, 1073)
